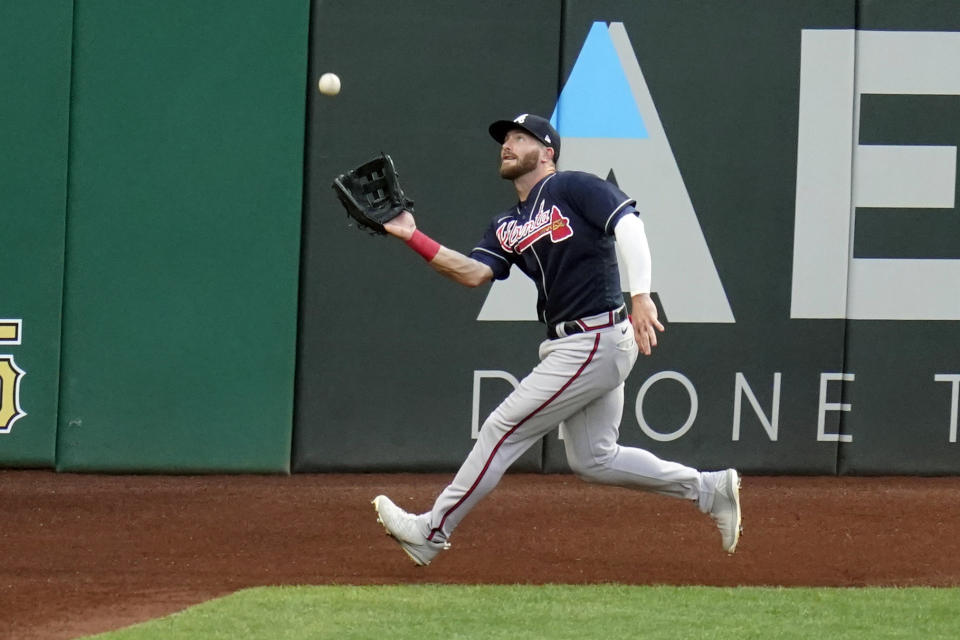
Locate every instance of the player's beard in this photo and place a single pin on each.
(523, 165)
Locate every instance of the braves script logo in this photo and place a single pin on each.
(515, 237)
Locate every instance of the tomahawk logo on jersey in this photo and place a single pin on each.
(575, 272)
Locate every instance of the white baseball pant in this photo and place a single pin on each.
(579, 383)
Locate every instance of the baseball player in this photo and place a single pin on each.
(561, 234)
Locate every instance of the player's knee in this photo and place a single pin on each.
(589, 472)
(578, 467)
(594, 467)
(494, 426)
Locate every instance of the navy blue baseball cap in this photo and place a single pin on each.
(539, 128)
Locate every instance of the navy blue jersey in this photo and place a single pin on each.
(562, 237)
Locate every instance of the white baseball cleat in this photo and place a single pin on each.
(402, 527)
(726, 509)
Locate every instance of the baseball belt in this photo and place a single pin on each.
(590, 323)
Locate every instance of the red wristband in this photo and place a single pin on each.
(424, 245)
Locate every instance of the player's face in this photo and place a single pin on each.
(519, 154)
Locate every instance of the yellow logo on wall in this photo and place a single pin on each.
(10, 376)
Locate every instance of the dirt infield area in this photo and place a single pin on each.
(81, 554)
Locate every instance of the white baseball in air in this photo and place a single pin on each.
(329, 84)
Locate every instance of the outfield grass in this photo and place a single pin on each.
(560, 611)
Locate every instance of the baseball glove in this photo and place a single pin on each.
(372, 194)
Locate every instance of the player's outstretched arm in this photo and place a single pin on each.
(445, 261)
(461, 268)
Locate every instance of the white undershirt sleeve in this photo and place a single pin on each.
(635, 252)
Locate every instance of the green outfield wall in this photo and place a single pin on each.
(183, 235)
(180, 181)
(183, 293)
(35, 45)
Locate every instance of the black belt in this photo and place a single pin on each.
(591, 323)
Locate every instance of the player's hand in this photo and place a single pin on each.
(402, 226)
(643, 314)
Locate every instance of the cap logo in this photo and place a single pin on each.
(546, 138)
(521, 118)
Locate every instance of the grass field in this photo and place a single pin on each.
(560, 611)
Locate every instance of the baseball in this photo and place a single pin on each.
(329, 84)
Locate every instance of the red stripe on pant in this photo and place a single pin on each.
(435, 530)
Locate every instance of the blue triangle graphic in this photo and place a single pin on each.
(597, 101)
